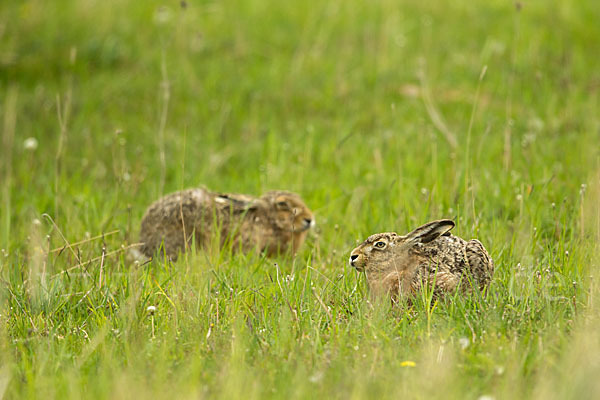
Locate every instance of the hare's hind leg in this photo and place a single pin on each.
(480, 264)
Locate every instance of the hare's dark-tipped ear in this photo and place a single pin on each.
(240, 203)
(430, 231)
(255, 205)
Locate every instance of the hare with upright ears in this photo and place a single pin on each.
(275, 223)
(429, 255)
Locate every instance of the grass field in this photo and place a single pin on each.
(382, 115)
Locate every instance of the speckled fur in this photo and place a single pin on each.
(429, 255)
(275, 223)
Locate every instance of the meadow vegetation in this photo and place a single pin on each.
(382, 115)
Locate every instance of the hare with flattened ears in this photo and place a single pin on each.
(275, 223)
(429, 255)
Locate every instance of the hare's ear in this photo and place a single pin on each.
(430, 231)
(257, 205)
(238, 203)
(253, 205)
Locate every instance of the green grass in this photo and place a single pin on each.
(382, 115)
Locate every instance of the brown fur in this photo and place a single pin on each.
(429, 255)
(276, 222)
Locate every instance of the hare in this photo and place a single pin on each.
(429, 255)
(274, 223)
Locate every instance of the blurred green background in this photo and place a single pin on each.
(382, 115)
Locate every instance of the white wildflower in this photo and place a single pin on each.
(30, 144)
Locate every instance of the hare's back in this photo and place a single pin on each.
(446, 252)
(175, 206)
(453, 256)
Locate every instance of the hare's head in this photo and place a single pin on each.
(378, 250)
(384, 251)
(288, 212)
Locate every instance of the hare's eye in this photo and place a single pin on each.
(282, 204)
(380, 245)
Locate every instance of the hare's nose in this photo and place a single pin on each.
(353, 258)
(307, 223)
